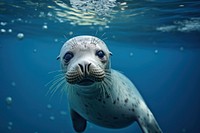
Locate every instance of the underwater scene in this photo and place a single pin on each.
(155, 43)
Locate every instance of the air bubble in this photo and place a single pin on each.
(20, 36)
(19, 19)
(72, 23)
(156, 51)
(131, 54)
(49, 106)
(45, 27)
(9, 30)
(3, 23)
(52, 118)
(8, 100)
(63, 112)
(99, 7)
(49, 14)
(10, 123)
(107, 26)
(34, 50)
(13, 84)
(100, 28)
(3, 30)
(41, 14)
(9, 128)
(181, 48)
(55, 40)
(70, 33)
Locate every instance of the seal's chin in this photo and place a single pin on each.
(86, 82)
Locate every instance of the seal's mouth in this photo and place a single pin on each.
(86, 82)
(85, 78)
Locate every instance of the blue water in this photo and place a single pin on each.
(154, 43)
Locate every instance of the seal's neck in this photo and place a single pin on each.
(90, 91)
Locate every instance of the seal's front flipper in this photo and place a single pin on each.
(145, 118)
(147, 122)
(79, 123)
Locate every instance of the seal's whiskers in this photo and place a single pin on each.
(53, 80)
(103, 36)
(96, 33)
(59, 85)
(57, 82)
(55, 85)
(55, 71)
(106, 85)
(65, 88)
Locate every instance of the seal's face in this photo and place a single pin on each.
(85, 60)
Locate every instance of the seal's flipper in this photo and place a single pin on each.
(79, 123)
(148, 123)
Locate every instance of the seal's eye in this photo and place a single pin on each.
(100, 54)
(67, 57)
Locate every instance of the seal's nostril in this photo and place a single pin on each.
(81, 68)
(88, 67)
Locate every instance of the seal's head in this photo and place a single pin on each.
(85, 60)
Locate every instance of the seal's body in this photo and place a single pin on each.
(99, 94)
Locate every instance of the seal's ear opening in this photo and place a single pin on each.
(58, 58)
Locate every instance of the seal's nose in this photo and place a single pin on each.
(84, 67)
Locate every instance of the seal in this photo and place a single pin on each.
(98, 94)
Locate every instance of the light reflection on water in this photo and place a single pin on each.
(139, 21)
